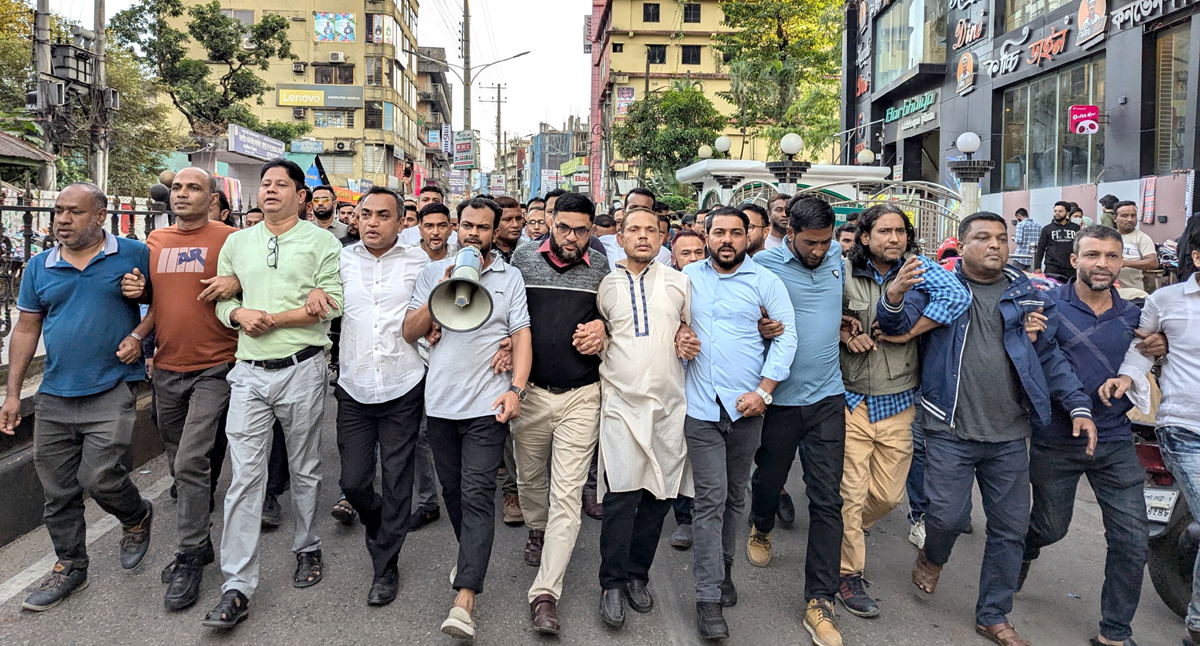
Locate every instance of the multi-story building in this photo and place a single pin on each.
(551, 148)
(355, 80)
(639, 47)
(435, 106)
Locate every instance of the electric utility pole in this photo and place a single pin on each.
(466, 53)
(499, 136)
(47, 173)
(98, 161)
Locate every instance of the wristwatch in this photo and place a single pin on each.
(766, 396)
(521, 393)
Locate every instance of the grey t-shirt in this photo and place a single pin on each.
(460, 383)
(990, 399)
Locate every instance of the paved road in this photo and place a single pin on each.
(1059, 607)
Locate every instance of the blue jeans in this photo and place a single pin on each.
(917, 501)
(1002, 471)
(1117, 478)
(1181, 453)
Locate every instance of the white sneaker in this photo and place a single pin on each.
(916, 535)
(459, 624)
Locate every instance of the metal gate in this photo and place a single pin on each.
(932, 208)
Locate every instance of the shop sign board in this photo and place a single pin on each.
(464, 149)
(308, 146)
(1092, 21)
(1140, 11)
(965, 75)
(969, 31)
(447, 139)
(307, 95)
(913, 105)
(253, 144)
(1083, 119)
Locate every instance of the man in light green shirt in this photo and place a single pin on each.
(281, 374)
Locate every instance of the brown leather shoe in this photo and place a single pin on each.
(544, 614)
(925, 574)
(1002, 634)
(592, 507)
(533, 547)
(512, 510)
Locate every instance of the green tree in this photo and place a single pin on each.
(209, 97)
(664, 130)
(785, 64)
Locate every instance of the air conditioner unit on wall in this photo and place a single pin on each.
(343, 145)
(298, 67)
(337, 57)
(246, 44)
(299, 113)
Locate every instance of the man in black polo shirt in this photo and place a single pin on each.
(559, 420)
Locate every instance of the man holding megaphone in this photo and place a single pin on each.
(478, 300)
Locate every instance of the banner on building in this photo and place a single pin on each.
(464, 149)
(329, 27)
(625, 98)
(434, 138)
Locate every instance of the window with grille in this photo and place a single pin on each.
(338, 164)
(334, 75)
(333, 118)
(691, 12)
(1171, 99)
(618, 48)
(374, 71)
(375, 158)
(373, 116)
(691, 55)
(649, 12)
(656, 54)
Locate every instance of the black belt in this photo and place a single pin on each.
(288, 362)
(554, 390)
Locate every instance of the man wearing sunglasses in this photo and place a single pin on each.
(324, 210)
(281, 374)
(559, 419)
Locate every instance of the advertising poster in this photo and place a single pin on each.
(625, 97)
(333, 27)
(464, 149)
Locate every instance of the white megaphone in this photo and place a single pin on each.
(460, 303)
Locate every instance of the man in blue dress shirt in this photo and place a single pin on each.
(729, 386)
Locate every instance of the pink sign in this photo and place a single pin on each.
(1083, 119)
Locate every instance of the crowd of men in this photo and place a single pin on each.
(630, 366)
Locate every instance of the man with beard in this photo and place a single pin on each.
(982, 383)
(559, 422)
(431, 194)
(508, 234)
(686, 248)
(729, 386)
(777, 213)
(1055, 243)
(469, 405)
(881, 378)
(433, 221)
(756, 235)
(1140, 253)
(344, 212)
(85, 410)
(352, 234)
(1095, 328)
(845, 235)
(410, 216)
(642, 451)
(324, 210)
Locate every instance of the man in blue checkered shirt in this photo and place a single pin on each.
(1028, 232)
(881, 375)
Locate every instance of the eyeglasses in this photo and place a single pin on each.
(273, 253)
(322, 200)
(536, 223)
(580, 232)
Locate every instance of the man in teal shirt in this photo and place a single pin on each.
(281, 374)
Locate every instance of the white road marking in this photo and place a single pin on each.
(107, 523)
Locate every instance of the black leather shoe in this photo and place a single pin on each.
(612, 607)
(710, 621)
(639, 597)
(135, 541)
(728, 591)
(308, 569)
(272, 513)
(423, 516)
(207, 556)
(184, 589)
(383, 588)
(231, 611)
(787, 510)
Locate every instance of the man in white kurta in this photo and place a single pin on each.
(643, 454)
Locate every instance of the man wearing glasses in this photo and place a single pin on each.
(324, 210)
(281, 374)
(535, 221)
(559, 419)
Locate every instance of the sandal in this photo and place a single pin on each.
(1002, 634)
(344, 512)
(925, 575)
(308, 569)
(231, 611)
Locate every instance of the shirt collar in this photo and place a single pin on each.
(559, 262)
(361, 250)
(1191, 287)
(111, 246)
(748, 266)
(621, 264)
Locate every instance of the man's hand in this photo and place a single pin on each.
(589, 337)
(10, 414)
(851, 325)
(319, 303)
(1114, 388)
(435, 334)
(859, 343)
(898, 339)
(1088, 427)
(507, 407)
(129, 350)
(1151, 345)
(503, 360)
(254, 322)
(220, 288)
(133, 286)
(1035, 324)
(751, 405)
(908, 277)
(687, 346)
(767, 328)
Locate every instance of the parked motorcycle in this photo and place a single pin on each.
(1174, 534)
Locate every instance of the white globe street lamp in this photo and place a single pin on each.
(970, 172)
(866, 157)
(705, 152)
(723, 144)
(791, 144)
(968, 143)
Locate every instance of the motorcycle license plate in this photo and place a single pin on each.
(1159, 504)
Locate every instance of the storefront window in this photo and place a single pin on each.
(1019, 12)
(1038, 152)
(1170, 111)
(909, 33)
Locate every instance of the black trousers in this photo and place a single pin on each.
(820, 429)
(467, 453)
(629, 536)
(391, 428)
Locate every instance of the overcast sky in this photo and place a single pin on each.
(549, 84)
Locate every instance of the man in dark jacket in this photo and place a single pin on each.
(982, 381)
(1055, 243)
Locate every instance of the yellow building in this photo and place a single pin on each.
(355, 81)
